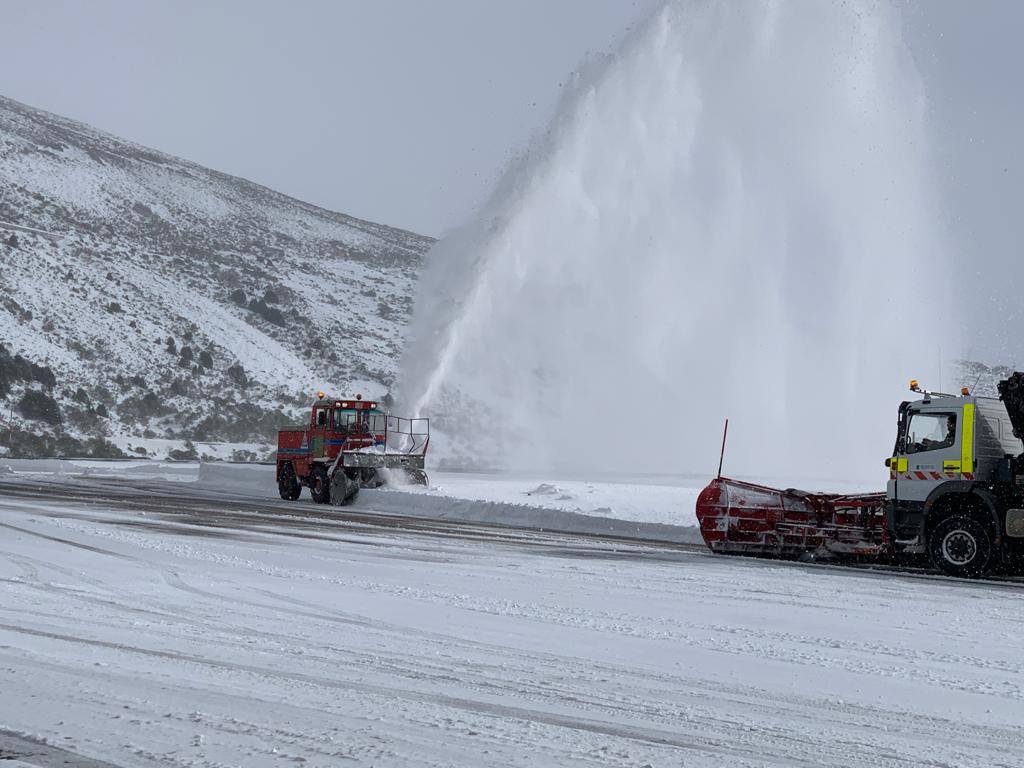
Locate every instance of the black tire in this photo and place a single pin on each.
(961, 546)
(288, 485)
(344, 487)
(319, 485)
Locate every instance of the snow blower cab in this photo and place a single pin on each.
(349, 444)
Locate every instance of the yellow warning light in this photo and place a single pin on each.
(320, 395)
(965, 391)
(914, 387)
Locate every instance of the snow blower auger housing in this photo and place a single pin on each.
(349, 444)
(955, 495)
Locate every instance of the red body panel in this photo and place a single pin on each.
(746, 518)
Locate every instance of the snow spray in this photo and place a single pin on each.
(735, 214)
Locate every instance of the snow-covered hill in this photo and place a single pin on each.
(152, 298)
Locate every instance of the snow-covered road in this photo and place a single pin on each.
(157, 629)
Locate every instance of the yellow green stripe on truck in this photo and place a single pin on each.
(967, 440)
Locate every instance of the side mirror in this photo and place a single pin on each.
(888, 463)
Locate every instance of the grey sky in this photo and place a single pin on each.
(405, 111)
(970, 56)
(399, 111)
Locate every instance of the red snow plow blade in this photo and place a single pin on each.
(744, 518)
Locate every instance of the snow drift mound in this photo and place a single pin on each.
(732, 216)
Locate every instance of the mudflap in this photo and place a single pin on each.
(344, 487)
(744, 518)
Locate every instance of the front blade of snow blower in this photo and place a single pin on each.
(744, 518)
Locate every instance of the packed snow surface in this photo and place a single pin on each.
(146, 629)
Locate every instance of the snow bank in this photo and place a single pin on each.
(238, 479)
(446, 507)
(635, 510)
(629, 498)
(184, 471)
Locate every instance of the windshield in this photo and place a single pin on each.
(344, 420)
(931, 431)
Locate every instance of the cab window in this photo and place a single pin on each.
(931, 431)
(376, 422)
(344, 420)
(321, 417)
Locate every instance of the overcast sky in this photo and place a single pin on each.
(399, 111)
(971, 58)
(406, 111)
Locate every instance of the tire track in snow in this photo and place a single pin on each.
(704, 734)
(695, 743)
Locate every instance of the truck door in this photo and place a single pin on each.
(320, 426)
(931, 451)
(344, 428)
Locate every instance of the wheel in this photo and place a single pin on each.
(288, 484)
(344, 487)
(319, 486)
(961, 546)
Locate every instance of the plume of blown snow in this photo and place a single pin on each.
(732, 216)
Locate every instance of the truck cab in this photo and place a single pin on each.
(351, 424)
(952, 481)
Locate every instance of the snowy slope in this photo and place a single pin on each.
(145, 247)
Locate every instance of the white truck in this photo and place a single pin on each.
(955, 494)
